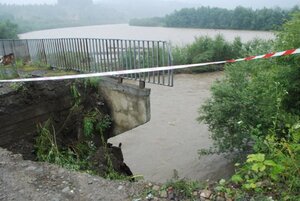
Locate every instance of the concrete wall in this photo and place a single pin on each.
(130, 105)
(20, 111)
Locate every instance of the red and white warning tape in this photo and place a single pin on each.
(146, 70)
(268, 55)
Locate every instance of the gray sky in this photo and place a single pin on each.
(214, 3)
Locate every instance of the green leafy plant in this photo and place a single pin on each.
(274, 173)
(75, 94)
(255, 110)
(257, 168)
(47, 148)
(244, 89)
(18, 86)
(183, 187)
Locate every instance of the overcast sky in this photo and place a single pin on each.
(214, 3)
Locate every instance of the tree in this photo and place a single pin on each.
(220, 18)
(257, 96)
(75, 3)
(8, 30)
(289, 38)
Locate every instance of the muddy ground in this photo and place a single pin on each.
(27, 181)
(25, 106)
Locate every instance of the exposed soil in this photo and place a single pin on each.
(25, 106)
(28, 180)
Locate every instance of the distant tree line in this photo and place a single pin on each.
(221, 18)
(65, 13)
(8, 30)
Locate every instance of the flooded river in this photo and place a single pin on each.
(177, 36)
(171, 139)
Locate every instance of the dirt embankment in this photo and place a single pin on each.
(22, 108)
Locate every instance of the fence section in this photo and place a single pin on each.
(96, 55)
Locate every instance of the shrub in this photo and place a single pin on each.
(256, 108)
(207, 49)
(252, 94)
(243, 101)
(273, 173)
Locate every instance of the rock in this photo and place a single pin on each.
(163, 194)
(171, 194)
(219, 198)
(65, 190)
(156, 188)
(149, 196)
(20, 191)
(206, 194)
(30, 168)
(120, 188)
(228, 198)
(195, 193)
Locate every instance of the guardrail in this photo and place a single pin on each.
(96, 55)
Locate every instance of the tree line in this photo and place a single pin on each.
(63, 14)
(221, 18)
(8, 30)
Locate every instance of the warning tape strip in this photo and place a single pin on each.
(147, 70)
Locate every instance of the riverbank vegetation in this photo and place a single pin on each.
(207, 49)
(8, 30)
(254, 110)
(220, 18)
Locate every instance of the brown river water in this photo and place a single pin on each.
(171, 139)
(177, 36)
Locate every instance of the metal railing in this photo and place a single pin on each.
(96, 55)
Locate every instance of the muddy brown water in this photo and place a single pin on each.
(177, 36)
(171, 139)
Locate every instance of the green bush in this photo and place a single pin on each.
(207, 49)
(8, 30)
(273, 173)
(289, 38)
(242, 102)
(256, 108)
(252, 94)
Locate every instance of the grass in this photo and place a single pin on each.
(25, 70)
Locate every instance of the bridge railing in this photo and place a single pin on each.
(96, 55)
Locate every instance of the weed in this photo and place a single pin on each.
(183, 187)
(18, 86)
(48, 150)
(75, 94)
(92, 82)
